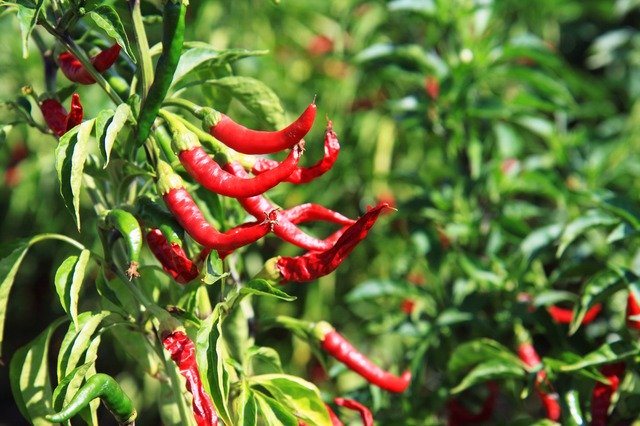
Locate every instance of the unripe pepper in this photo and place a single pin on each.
(209, 174)
(338, 347)
(109, 391)
(306, 174)
(187, 213)
(249, 141)
(602, 393)
(73, 69)
(129, 228)
(183, 353)
(57, 118)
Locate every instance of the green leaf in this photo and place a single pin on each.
(578, 226)
(256, 96)
(102, 121)
(477, 351)
(274, 413)
(29, 377)
(540, 239)
(202, 54)
(246, 407)
(77, 341)
(28, 13)
(71, 154)
(13, 113)
(68, 282)
(123, 111)
(109, 21)
(300, 396)
(619, 206)
(8, 268)
(374, 289)
(597, 289)
(169, 407)
(423, 7)
(262, 287)
(211, 354)
(69, 385)
(605, 354)
(263, 360)
(490, 370)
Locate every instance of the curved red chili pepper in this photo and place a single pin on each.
(187, 213)
(285, 221)
(341, 349)
(459, 415)
(633, 309)
(530, 357)
(306, 174)
(73, 69)
(335, 420)
(365, 414)
(172, 257)
(249, 141)
(183, 353)
(602, 393)
(313, 265)
(564, 316)
(56, 115)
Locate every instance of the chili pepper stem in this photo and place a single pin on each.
(196, 110)
(213, 145)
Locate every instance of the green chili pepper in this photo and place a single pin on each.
(153, 215)
(172, 38)
(106, 388)
(127, 225)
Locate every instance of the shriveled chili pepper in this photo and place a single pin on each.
(187, 213)
(365, 413)
(633, 309)
(217, 179)
(56, 116)
(306, 174)
(173, 25)
(129, 228)
(73, 69)
(602, 393)
(249, 141)
(459, 415)
(315, 264)
(338, 347)
(183, 353)
(109, 391)
(564, 316)
(172, 257)
(530, 357)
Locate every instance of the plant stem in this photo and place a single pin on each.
(194, 109)
(44, 237)
(142, 45)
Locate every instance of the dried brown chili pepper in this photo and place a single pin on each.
(564, 316)
(341, 349)
(306, 174)
(73, 69)
(249, 141)
(172, 257)
(187, 213)
(56, 116)
(602, 393)
(183, 353)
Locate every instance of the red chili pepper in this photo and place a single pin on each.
(306, 174)
(338, 347)
(172, 257)
(633, 309)
(73, 69)
(285, 221)
(56, 115)
(564, 316)
(459, 415)
(249, 141)
(407, 306)
(365, 414)
(602, 393)
(312, 265)
(335, 420)
(12, 174)
(432, 87)
(187, 213)
(183, 353)
(530, 357)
